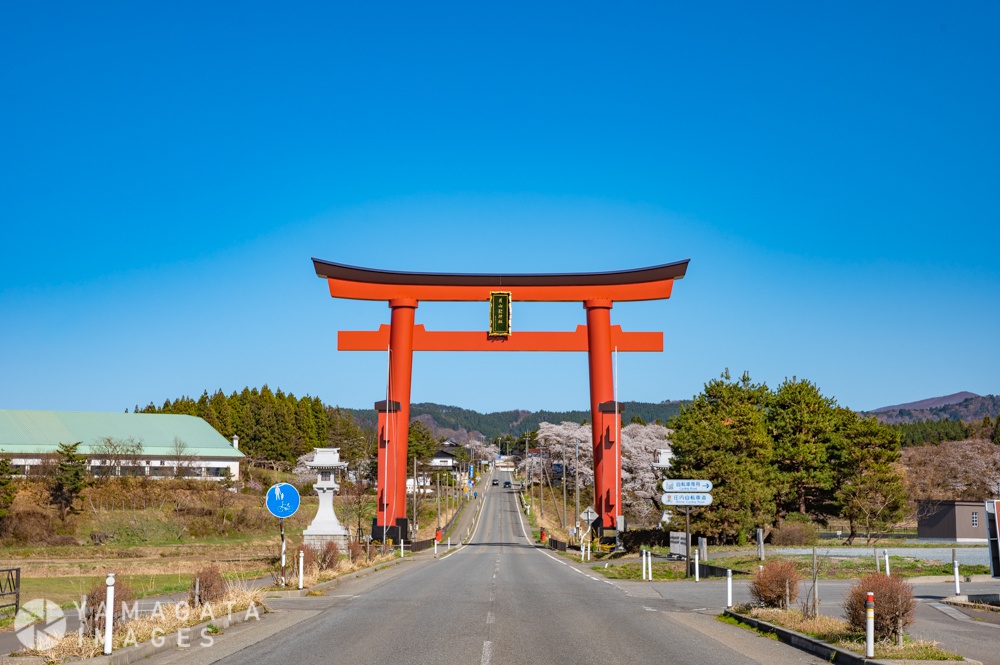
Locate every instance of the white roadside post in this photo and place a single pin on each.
(302, 557)
(870, 626)
(697, 573)
(886, 554)
(729, 588)
(109, 613)
(435, 547)
(954, 567)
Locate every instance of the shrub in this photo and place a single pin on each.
(93, 617)
(211, 586)
(769, 584)
(635, 539)
(796, 530)
(357, 551)
(28, 527)
(329, 558)
(893, 603)
(309, 560)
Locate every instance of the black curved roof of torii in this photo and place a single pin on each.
(341, 271)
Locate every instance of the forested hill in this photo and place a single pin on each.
(278, 426)
(458, 423)
(968, 410)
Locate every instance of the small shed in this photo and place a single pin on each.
(951, 521)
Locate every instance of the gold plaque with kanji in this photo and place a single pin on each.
(499, 313)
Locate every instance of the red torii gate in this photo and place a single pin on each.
(404, 290)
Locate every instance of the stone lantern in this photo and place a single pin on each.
(326, 527)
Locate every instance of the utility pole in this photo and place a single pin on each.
(437, 496)
(563, 479)
(413, 530)
(541, 488)
(577, 470)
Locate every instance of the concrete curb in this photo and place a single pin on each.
(947, 579)
(337, 581)
(825, 650)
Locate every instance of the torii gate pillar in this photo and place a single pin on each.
(393, 425)
(605, 414)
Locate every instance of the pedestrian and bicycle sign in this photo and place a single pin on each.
(282, 500)
(686, 499)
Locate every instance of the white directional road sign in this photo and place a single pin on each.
(589, 515)
(282, 500)
(687, 485)
(686, 499)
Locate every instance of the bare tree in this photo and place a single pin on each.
(118, 457)
(183, 461)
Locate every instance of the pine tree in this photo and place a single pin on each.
(722, 437)
(421, 444)
(871, 491)
(8, 490)
(803, 424)
(69, 479)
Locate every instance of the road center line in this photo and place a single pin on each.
(487, 653)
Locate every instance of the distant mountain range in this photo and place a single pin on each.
(461, 425)
(965, 406)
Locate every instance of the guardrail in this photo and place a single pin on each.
(10, 586)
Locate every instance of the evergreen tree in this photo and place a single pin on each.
(69, 479)
(871, 492)
(8, 490)
(803, 424)
(722, 437)
(421, 444)
(996, 431)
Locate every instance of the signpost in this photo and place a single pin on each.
(686, 492)
(282, 500)
(687, 485)
(589, 515)
(686, 499)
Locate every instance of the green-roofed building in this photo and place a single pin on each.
(144, 444)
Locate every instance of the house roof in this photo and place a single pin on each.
(40, 432)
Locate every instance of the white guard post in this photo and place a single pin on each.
(109, 613)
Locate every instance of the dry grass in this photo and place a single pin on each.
(839, 633)
(821, 626)
(169, 619)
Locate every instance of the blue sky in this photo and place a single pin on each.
(167, 171)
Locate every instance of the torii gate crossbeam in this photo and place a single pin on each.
(404, 290)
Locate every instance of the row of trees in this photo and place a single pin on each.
(271, 425)
(936, 431)
(791, 450)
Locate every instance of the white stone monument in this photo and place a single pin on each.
(326, 527)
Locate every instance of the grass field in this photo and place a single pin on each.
(830, 567)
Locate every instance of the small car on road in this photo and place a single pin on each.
(496, 482)
(506, 484)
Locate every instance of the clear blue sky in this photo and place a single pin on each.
(167, 171)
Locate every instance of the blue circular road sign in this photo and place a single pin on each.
(282, 500)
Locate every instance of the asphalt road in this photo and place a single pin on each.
(498, 600)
